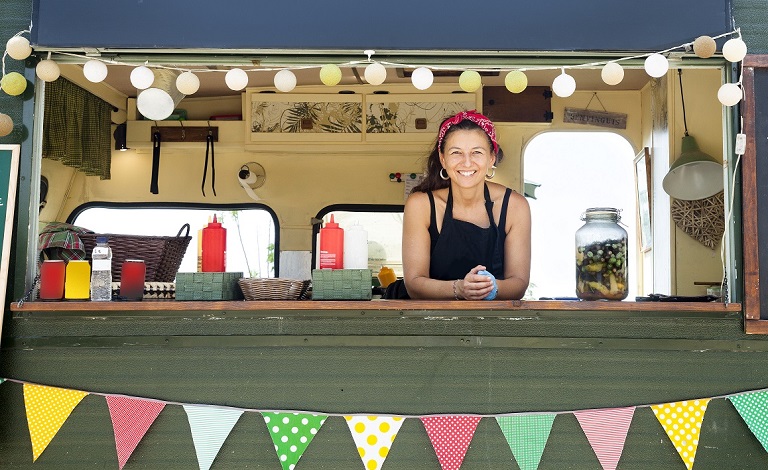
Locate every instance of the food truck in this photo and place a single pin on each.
(141, 121)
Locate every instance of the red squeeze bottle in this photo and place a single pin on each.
(214, 247)
(331, 246)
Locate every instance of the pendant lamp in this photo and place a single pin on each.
(695, 174)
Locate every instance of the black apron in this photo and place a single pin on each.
(460, 246)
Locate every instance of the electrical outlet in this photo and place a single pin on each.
(741, 144)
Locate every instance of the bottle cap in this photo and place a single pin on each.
(331, 223)
(214, 223)
(102, 239)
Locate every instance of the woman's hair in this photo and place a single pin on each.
(432, 179)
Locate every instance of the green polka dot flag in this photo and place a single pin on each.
(753, 408)
(291, 433)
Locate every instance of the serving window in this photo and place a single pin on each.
(252, 232)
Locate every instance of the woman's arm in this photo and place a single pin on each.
(517, 250)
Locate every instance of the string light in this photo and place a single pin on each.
(285, 80)
(564, 85)
(330, 74)
(6, 125)
(236, 79)
(516, 81)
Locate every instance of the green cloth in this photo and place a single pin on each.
(291, 433)
(77, 128)
(753, 408)
(527, 436)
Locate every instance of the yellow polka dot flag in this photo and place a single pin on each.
(753, 408)
(374, 436)
(47, 409)
(682, 422)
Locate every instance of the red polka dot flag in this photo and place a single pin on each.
(450, 436)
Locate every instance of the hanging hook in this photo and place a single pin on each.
(183, 131)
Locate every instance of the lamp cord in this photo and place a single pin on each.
(682, 99)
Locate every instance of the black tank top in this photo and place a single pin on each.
(460, 246)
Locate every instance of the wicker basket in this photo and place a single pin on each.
(162, 255)
(273, 288)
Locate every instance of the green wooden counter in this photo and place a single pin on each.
(382, 357)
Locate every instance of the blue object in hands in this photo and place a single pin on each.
(491, 295)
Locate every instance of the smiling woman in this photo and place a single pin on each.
(465, 237)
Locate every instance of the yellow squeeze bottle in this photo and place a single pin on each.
(78, 280)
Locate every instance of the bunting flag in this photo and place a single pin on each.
(2, 380)
(753, 408)
(131, 418)
(47, 409)
(606, 431)
(291, 433)
(210, 428)
(682, 422)
(374, 436)
(450, 436)
(527, 436)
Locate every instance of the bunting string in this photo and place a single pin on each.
(292, 431)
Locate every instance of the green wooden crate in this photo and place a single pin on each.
(208, 286)
(341, 284)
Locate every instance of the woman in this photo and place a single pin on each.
(456, 224)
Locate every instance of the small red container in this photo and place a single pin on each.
(132, 279)
(214, 248)
(331, 246)
(52, 280)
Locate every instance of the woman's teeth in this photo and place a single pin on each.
(467, 173)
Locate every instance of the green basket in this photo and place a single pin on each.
(208, 286)
(341, 284)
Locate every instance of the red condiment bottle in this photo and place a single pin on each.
(214, 247)
(331, 246)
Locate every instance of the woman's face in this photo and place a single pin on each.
(467, 156)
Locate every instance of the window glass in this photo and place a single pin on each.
(575, 171)
(250, 232)
(385, 236)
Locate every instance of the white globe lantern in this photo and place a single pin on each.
(656, 65)
(470, 81)
(612, 73)
(375, 73)
(95, 71)
(142, 77)
(236, 79)
(18, 47)
(188, 83)
(47, 70)
(285, 80)
(734, 50)
(158, 101)
(704, 47)
(422, 78)
(564, 85)
(730, 94)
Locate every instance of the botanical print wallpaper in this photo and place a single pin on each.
(324, 117)
(400, 116)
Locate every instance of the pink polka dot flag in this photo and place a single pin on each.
(450, 436)
(131, 418)
(606, 431)
(47, 409)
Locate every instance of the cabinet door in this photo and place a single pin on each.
(303, 117)
(412, 117)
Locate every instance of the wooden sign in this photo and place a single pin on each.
(595, 118)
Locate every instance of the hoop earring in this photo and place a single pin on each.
(493, 173)
(446, 177)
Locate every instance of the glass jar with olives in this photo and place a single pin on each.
(601, 256)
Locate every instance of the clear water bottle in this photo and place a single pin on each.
(101, 271)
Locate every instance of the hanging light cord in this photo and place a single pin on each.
(682, 99)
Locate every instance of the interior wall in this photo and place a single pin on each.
(705, 125)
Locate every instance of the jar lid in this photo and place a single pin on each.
(602, 211)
